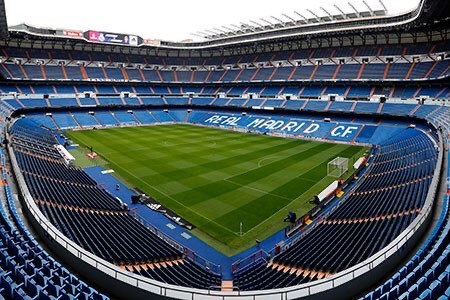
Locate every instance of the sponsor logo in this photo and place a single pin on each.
(71, 33)
(93, 36)
(152, 42)
(133, 40)
(114, 38)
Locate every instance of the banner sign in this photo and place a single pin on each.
(73, 34)
(152, 42)
(308, 128)
(112, 38)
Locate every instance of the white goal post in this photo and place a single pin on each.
(337, 167)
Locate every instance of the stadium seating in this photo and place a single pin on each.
(350, 92)
(348, 51)
(376, 70)
(424, 165)
(65, 195)
(368, 219)
(426, 274)
(378, 208)
(28, 271)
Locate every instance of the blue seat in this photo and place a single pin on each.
(56, 280)
(429, 276)
(444, 278)
(31, 289)
(447, 292)
(369, 296)
(411, 278)
(52, 290)
(19, 294)
(403, 272)
(435, 288)
(404, 296)
(9, 285)
(412, 291)
(29, 270)
(426, 295)
(39, 280)
(421, 284)
(393, 293)
(44, 296)
(403, 286)
(384, 297)
(46, 270)
(436, 267)
(377, 292)
(68, 297)
(444, 258)
(69, 289)
(74, 281)
(387, 286)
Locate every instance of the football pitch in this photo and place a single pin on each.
(217, 179)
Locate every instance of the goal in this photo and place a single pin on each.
(337, 167)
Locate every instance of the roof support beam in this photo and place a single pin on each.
(368, 6)
(326, 11)
(313, 13)
(384, 6)
(356, 11)
(344, 15)
(301, 16)
(270, 23)
(289, 17)
(256, 23)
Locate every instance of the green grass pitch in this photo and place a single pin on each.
(217, 179)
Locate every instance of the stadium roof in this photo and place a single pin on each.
(177, 20)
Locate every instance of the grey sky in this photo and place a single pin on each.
(170, 19)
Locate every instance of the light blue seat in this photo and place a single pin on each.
(426, 295)
(412, 291)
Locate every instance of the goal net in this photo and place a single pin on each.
(337, 167)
